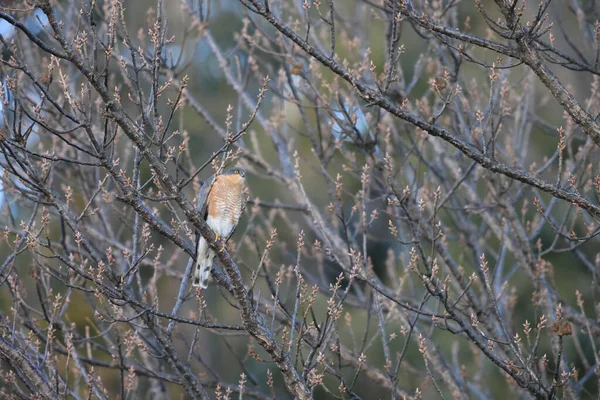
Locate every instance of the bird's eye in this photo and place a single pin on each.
(236, 172)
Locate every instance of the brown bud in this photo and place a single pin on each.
(296, 68)
(440, 83)
(562, 329)
(46, 78)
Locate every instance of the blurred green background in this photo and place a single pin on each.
(228, 354)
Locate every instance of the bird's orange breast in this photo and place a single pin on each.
(225, 198)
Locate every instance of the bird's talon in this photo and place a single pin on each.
(219, 238)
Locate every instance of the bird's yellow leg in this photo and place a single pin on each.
(217, 238)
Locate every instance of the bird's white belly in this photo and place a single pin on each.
(221, 226)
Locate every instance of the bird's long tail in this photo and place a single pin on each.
(204, 261)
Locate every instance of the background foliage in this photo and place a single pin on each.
(423, 195)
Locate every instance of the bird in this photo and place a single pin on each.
(221, 201)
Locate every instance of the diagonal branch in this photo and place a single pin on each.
(253, 322)
(375, 98)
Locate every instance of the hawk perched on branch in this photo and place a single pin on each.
(220, 201)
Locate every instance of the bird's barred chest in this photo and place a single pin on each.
(225, 202)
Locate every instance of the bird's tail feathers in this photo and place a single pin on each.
(203, 267)
(204, 261)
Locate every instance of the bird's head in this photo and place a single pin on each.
(236, 174)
